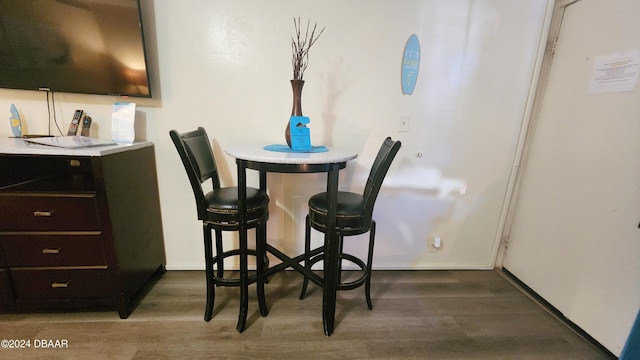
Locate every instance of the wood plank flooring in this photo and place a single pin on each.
(416, 315)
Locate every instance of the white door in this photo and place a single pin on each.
(574, 238)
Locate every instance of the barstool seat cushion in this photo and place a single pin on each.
(349, 211)
(222, 205)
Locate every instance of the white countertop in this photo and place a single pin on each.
(19, 146)
(258, 153)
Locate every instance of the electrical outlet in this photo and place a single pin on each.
(403, 122)
(434, 244)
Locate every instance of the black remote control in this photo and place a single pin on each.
(73, 128)
(86, 126)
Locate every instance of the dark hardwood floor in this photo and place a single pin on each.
(416, 315)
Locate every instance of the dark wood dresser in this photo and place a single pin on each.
(79, 228)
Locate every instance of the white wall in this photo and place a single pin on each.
(225, 65)
(575, 234)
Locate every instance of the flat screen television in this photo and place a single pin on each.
(75, 46)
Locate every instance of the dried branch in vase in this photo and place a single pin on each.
(300, 47)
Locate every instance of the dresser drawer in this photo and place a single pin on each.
(3, 261)
(6, 293)
(51, 284)
(51, 249)
(49, 212)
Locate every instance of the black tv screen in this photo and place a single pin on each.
(75, 46)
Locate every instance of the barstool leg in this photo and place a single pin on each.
(307, 250)
(340, 257)
(244, 283)
(367, 285)
(261, 238)
(219, 251)
(211, 286)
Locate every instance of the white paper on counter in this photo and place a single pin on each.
(123, 120)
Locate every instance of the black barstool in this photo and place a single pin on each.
(353, 217)
(218, 211)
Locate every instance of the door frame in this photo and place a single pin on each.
(528, 127)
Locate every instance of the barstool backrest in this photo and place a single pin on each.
(195, 151)
(379, 169)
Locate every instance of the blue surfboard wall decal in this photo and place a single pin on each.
(14, 120)
(410, 65)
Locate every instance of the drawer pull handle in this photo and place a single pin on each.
(60, 285)
(43, 213)
(74, 163)
(51, 251)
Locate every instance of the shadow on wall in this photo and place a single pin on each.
(335, 83)
(425, 179)
(225, 173)
(404, 228)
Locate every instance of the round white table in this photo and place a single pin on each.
(257, 158)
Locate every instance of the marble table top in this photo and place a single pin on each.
(258, 153)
